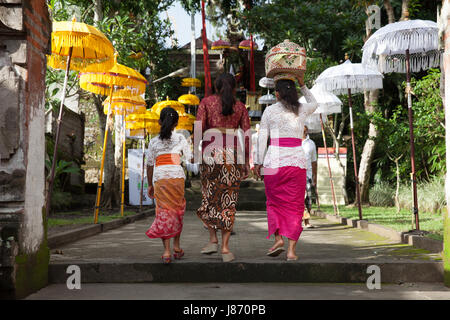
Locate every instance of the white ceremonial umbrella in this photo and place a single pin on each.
(405, 47)
(267, 99)
(267, 83)
(347, 78)
(328, 103)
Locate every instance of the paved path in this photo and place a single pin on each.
(243, 291)
(327, 242)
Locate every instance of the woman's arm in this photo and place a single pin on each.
(311, 104)
(150, 190)
(150, 167)
(261, 145)
(245, 126)
(202, 115)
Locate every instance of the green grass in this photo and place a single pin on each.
(52, 222)
(387, 216)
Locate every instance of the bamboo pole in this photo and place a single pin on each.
(411, 141)
(122, 201)
(142, 172)
(358, 196)
(100, 179)
(58, 132)
(336, 210)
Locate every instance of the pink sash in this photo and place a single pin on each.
(286, 142)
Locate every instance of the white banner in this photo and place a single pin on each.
(134, 178)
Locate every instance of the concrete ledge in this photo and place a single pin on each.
(200, 272)
(424, 243)
(66, 237)
(421, 242)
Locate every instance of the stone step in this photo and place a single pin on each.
(247, 271)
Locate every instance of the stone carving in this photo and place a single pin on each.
(10, 111)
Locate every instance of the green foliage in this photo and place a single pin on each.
(429, 132)
(430, 195)
(62, 167)
(382, 195)
(61, 200)
(136, 31)
(387, 216)
(429, 124)
(320, 26)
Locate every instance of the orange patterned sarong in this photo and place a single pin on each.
(170, 207)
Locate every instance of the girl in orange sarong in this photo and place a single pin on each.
(166, 183)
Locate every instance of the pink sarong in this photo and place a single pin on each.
(285, 193)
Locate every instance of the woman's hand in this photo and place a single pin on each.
(257, 171)
(301, 81)
(151, 192)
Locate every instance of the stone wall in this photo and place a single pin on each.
(25, 30)
(71, 141)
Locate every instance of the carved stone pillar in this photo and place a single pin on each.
(25, 30)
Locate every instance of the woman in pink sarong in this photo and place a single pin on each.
(284, 165)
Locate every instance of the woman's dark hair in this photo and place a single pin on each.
(168, 120)
(288, 94)
(225, 84)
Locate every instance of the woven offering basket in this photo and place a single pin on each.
(287, 60)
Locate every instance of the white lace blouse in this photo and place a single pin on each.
(278, 122)
(176, 144)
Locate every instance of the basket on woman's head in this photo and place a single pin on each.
(287, 60)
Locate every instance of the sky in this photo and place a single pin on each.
(181, 24)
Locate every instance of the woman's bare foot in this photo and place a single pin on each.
(291, 256)
(277, 244)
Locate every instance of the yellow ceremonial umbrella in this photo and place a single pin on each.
(157, 107)
(189, 99)
(191, 82)
(75, 45)
(149, 122)
(120, 79)
(123, 105)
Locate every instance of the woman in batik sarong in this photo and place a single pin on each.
(284, 164)
(166, 183)
(225, 161)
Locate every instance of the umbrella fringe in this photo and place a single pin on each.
(356, 83)
(78, 64)
(387, 51)
(418, 62)
(90, 45)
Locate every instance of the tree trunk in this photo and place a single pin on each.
(369, 148)
(98, 10)
(118, 152)
(389, 11)
(370, 98)
(108, 200)
(405, 10)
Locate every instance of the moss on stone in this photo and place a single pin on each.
(446, 253)
(32, 269)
